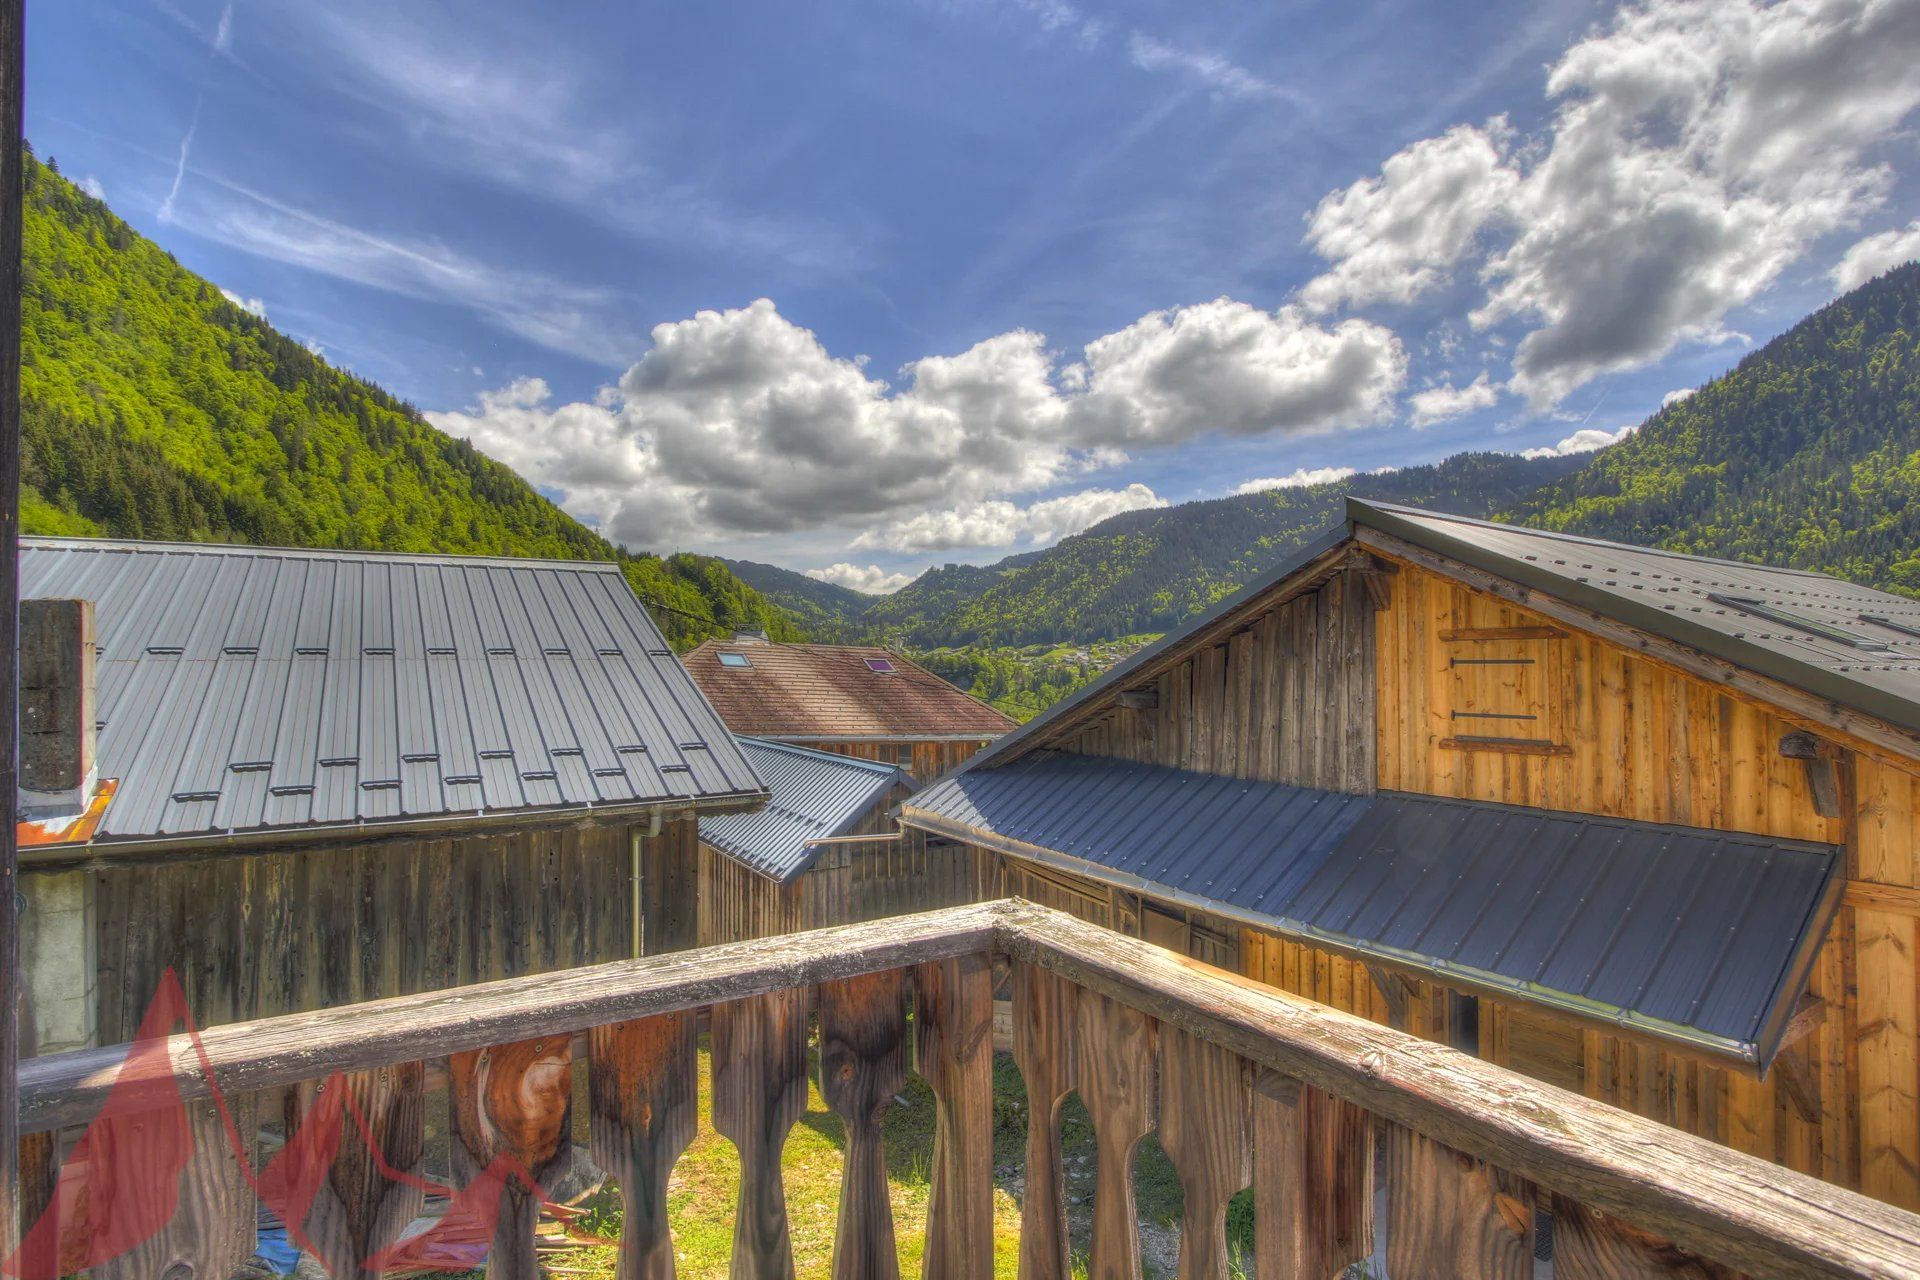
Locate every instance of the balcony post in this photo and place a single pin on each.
(954, 1052)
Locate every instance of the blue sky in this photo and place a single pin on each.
(861, 287)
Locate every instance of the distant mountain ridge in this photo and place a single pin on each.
(1144, 571)
(152, 407)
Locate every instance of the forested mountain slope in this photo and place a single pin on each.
(1145, 571)
(1806, 454)
(154, 408)
(826, 609)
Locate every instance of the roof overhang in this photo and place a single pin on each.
(174, 848)
(1750, 1058)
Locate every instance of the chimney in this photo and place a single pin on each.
(745, 635)
(57, 773)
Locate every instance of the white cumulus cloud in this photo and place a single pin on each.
(999, 523)
(1695, 150)
(741, 422)
(92, 186)
(1300, 478)
(1585, 440)
(1393, 237)
(1438, 404)
(1676, 395)
(871, 578)
(1876, 254)
(252, 305)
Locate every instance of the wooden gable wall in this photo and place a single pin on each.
(1287, 696)
(1620, 734)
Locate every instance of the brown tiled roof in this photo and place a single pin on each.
(828, 691)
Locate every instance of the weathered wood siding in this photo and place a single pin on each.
(1194, 933)
(848, 884)
(1286, 697)
(923, 761)
(268, 933)
(1623, 735)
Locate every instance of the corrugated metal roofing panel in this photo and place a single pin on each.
(812, 795)
(245, 690)
(1688, 933)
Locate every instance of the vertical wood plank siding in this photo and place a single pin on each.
(849, 884)
(925, 761)
(1288, 697)
(269, 933)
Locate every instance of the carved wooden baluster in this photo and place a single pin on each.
(39, 1176)
(759, 1094)
(1312, 1180)
(1589, 1244)
(1451, 1215)
(359, 1211)
(954, 1053)
(644, 1093)
(1043, 1045)
(1205, 1118)
(863, 1065)
(1116, 1073)
(212, 1229)
(512, 1111)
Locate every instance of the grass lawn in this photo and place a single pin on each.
(706, 1182)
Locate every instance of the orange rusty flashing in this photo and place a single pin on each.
(78, 829)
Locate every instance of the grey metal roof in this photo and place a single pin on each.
(1765, 619)
(1700, 936)
(812, 795)
(246, 690)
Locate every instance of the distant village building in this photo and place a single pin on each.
(305, 778)
(848, 699)
(1640, 824)
(825, 850)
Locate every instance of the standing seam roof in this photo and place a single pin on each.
(244, 690)
(812, 795)
(1688, 933)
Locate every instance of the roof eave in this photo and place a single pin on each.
(1740, 1054)
(164, 848)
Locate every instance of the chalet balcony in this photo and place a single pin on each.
(1358, 1142)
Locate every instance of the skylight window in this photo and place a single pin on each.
(883, 665)
(734, 660)
(1825, 630)
(1903, 628)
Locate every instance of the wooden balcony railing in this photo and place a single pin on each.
(1245, 1086)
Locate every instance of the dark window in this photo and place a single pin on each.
(734, 660)
(1463, 1022)
(883, 665)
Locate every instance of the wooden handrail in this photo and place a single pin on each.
(1704, 1197)
(1244, 1083)
(68, 1088)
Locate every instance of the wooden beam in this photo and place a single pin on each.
(1395, 990)
(1707, 1199)
(1877, 737)
(1507, 746)
(68, 1088)
(12, 208)
(1896, 899)
(1460, 635)
(1146, 699)
(1808, 1014)
(1818, 757)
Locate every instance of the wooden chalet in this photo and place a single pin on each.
(1638, 824)
(824, 851)
(306, 778)
(849, 699)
